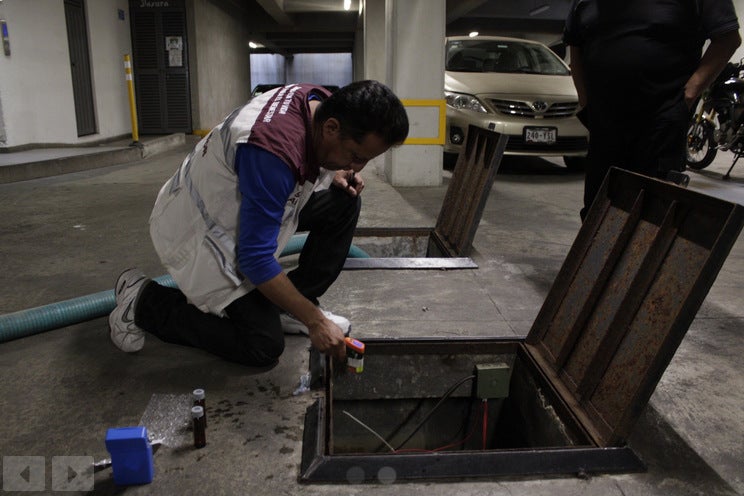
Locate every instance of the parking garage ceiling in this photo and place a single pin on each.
(325, 26)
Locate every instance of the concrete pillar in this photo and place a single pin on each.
(404, 48)
(376, 47)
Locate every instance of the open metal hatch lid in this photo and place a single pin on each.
(636, 275)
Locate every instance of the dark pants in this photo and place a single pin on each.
(639, 144)
(251, 333)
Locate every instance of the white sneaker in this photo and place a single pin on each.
(127, 279)
(125, 334)
(290, 325)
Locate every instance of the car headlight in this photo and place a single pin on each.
(462, 101)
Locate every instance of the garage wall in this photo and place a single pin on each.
(417, 72)
(110, 40)
(318, 68)
(2, 123)
(220, 70)
(33, 110)
(267, 68)
(35, 80)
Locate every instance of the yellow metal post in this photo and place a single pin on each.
(132, 106)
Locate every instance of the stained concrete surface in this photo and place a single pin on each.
(70, 235)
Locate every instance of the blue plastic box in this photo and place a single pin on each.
(131, 455)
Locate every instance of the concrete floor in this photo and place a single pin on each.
(71, 235)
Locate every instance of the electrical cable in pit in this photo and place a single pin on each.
(431, 412)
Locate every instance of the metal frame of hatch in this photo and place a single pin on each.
(631, 285)
(321, 465)
(451, 239)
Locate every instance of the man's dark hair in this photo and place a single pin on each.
(365, 107)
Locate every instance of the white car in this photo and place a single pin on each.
(515, 87)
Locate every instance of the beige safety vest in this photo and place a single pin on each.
(193, 225)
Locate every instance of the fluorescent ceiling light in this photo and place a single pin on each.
(473, 34)
(539, 10)
(347, 4)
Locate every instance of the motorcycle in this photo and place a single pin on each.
(718, 120)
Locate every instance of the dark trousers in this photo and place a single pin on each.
(251, 333)
(642, 145)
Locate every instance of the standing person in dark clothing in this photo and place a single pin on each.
(638, 70)
(287, 160)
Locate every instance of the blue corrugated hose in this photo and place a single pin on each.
(64, 313)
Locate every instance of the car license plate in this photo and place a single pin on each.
(542, 135)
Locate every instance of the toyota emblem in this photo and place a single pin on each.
(540, 106)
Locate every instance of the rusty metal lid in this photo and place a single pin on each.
(636, 275)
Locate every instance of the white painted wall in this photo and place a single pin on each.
(110, 40)
(35, 80)
(34, 110)
(2, 123)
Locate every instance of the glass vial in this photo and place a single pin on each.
(200, 435)
(200, 400)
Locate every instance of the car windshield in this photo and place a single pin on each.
(502, 56)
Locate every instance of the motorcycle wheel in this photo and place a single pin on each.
(701, 147)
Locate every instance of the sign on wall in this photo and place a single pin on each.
(174, 45)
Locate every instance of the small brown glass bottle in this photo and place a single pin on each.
(200, 435)
(200, 400)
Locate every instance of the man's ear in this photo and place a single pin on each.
(331, 127)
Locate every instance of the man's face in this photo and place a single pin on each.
(343, 153)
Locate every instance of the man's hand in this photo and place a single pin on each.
(328, 338)
(719, 51)
(324, 334)
(349, 181)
